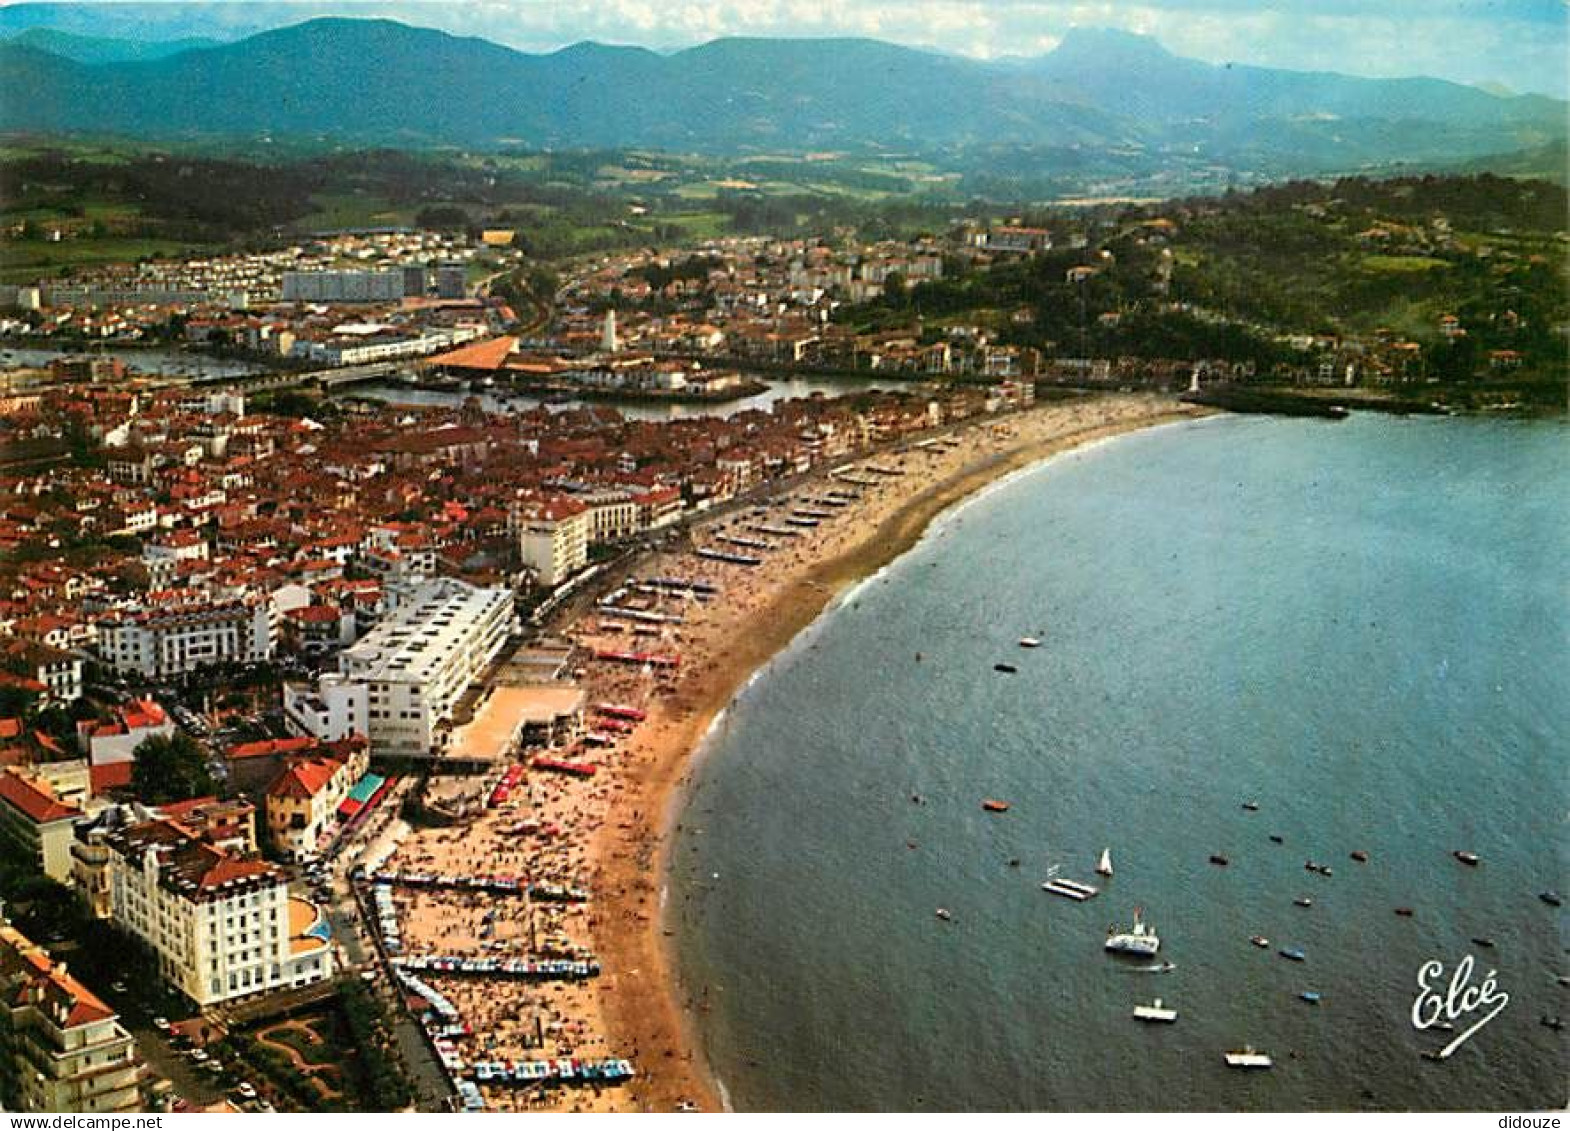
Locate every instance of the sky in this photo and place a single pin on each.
(1520, 44)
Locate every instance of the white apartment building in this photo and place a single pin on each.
(401, 681)
(334, 709)
(553, 536)
(158, 643)
(222, 927)
(65, 1050)
(613, 515)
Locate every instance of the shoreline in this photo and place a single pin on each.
(643, 1003)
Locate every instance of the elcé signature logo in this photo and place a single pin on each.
(1438, 1003)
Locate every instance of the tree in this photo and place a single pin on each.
(170, 768)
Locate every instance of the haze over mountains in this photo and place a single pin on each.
(380, 82)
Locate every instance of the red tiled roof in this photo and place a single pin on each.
(110, 775)
(303, 780)
(35, 801)
(478, 355)
(273, 746)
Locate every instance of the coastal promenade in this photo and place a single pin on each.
(604, 832)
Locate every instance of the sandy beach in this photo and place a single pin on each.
(758, 612)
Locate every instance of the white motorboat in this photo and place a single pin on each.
(1155, 1011)
(1029, 642)
(1138, 939)
(1248, 1057)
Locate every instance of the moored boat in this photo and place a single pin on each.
(1552, 898)
(1303, 901)
(1247, 1057)
(1007, 669)
(1310, 996)
(1293, 953)
(1069, 889)
(1029, 642)
(1360, 856)
(1217, 858)
(1468, 858)
(1104, 865)
(1155, 1011)
(1138, 939)
(991, 805)
(1259, 940)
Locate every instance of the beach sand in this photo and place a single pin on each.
(721, 642)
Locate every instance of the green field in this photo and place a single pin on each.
(354, 210)
(1402, 264)
(25, 260)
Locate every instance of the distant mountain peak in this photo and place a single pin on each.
(1107, 44)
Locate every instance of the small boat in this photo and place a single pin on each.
(1247, 1057)
(1303, 901)
(1029, 642)
(1553, 1023)
(1360, 856)
(1138, 939)
(1310, 996)
(1069, 889)
(1104, 865)
(1217, 858)
(1552, 898)
(1155, 1011)
(943, 913)
(1292, 953)
(1484, 941)
(1404, 912)
(1468, 858)
(1259, 941)
(1008, 669)
(1277, 838)
(994, 806)
(1251, 806)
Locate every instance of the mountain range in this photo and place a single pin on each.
(363, 82)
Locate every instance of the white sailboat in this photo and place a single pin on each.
(1105, 866)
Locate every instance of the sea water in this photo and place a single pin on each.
(1361, 627)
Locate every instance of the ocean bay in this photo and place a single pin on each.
(1344, 623)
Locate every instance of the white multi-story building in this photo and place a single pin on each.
(222, 927)
(401, 681)
(613, 515)
(66, 1051)
(553, 536)
(158, 643)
